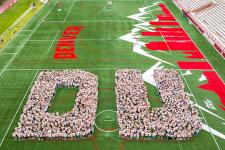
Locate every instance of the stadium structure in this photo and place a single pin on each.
(112, 74)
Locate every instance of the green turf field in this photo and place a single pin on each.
(100, 51)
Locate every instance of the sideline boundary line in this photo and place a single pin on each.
(18, 108)
(44, 69)
(21, 29)
(18, 50)
(185, 79)
(36, 27)
(197, 45)
(159, 30)
(200, 111)
(17, 21)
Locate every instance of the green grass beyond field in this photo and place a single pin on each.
(100, 51)
(12, 14)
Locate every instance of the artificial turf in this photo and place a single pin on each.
(100, 51)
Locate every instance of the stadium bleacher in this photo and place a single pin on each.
(209, 17)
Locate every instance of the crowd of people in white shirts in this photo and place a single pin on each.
(37, 123)
(176, 120)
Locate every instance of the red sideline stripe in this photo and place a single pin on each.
(156, 23)
(194, 65)
(176, 45)
(148, 33)
(216, 85)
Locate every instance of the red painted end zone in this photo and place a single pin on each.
(148, 33)
(216, 85)
(173, 46)
(194, 54)
(165, 9)
(194, 65)
(176, 39)
(179, 38)
(166, 17)
(157, 23)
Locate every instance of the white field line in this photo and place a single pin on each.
(17, 110)
(18, 50)
(70, 10)
(46, 69)
(76, 40)
(17, 21)
(14, 46)
(197, 47)
(20, 30)
(2, 71)
(92, 21)
(50, 10)
(200, 111)
(202, 34)
(109, 120)
(188, 84)
(165, 41)
(53, 41)
(7, 53)
(159, 30)
(22, 35)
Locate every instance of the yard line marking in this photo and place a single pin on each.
(22, 35)
(2, 71)
(70, 10)
(188, 84)
(76, 39)
(49, 11)
(186, 80)
(20, 30)
(93, 21)
(18, 109)
(14, 46)
(53, 41)
(7, 53)
(202, 34)
(159, 30)
(143, 69)
(197, 46)
(19, 50)
(200, 110)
